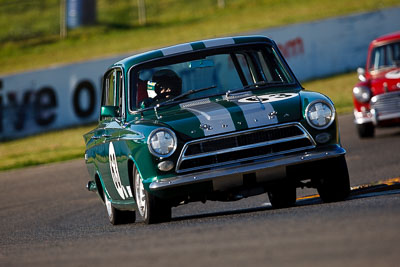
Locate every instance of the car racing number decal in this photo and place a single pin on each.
(266, 115)
(267, 98)
(122, 191)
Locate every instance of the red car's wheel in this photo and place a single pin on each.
(365, 130)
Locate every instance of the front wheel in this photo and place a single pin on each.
(365, 130)
(151, 208)
(282, 195)
(116, 216)
(334, 184)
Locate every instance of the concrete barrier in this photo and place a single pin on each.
(59, 97)
(332, 46)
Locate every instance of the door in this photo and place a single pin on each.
(114, 166)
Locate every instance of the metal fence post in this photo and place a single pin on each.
(63, 22)
(142, 12)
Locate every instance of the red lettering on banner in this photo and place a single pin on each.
(292, 47)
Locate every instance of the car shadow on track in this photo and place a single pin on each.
(387, 187)
(222, 213)
(387, 133)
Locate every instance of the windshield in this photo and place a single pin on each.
(206, 74)
(385, 56)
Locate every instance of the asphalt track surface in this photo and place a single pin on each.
(47, 218)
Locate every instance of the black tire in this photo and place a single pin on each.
(365, 130)
(335, 184)
(116, 216)
(282, 195)
(150, 208)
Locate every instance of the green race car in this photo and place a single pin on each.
(219, 119)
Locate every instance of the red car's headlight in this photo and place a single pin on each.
(362, 93)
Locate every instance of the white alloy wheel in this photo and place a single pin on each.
(116, 216)
(108, 207)
(151, 208)
(140, 196)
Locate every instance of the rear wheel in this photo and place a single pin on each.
(116, 216)
(282, 195)
(151, 208)
(365, 130)
(335, 184)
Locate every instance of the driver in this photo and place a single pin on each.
(168, 85)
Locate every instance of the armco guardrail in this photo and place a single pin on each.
(59, 97)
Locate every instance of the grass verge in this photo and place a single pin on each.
(44, 148)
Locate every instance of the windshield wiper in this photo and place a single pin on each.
(260, 83)
(169, 101)
(253, 85)
(186, 94)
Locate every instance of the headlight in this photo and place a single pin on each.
(320, 114)
(362, 94)
(162, 142)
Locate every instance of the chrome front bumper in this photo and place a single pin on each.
(374, 117)
(265, 170)
(383, 107)
(362, 118)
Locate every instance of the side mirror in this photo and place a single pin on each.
(361, 74)
(109, 111)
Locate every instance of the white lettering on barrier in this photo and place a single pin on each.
(42, 100)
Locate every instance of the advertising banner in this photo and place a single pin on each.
(42, 100)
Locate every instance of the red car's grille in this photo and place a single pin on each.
(385, 104)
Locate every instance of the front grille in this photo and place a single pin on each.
(243, 146)
(387, 103)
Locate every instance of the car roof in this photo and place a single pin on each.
(386, 38)
(188, 47)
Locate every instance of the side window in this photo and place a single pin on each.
(112, 94)
(118, 83)
(109, 90)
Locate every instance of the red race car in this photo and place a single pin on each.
(377, 96)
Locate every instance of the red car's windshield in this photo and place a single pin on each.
(385, 56)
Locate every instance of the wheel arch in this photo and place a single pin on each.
(131, 164)
(99, 185)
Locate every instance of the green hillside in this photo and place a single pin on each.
(30, 29)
